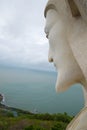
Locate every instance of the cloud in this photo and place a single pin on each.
(22, 38)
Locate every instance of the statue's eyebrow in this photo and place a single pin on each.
(48, 7)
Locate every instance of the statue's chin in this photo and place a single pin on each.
(64, 81)
(62, 85)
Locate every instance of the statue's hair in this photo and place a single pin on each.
(74, 9)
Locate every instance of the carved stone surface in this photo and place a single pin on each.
(66, 30)
(79, 122)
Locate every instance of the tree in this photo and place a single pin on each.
(59, 126)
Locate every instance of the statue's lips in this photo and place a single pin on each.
(54, 65)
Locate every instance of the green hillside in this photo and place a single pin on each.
(16, 119)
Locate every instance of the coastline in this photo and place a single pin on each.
(1, 98)
(9, 114)
(15, 111)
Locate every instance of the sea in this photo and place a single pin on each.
(34, 91)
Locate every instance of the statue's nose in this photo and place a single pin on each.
(50, 57)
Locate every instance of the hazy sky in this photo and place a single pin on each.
(22, 37)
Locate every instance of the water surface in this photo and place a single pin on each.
(35, 91)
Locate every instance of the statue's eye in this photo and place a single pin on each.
(51, 19)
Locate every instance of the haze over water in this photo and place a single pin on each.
(34, 90)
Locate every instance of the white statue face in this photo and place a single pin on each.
(60, 52)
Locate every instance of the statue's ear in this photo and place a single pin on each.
(74, 9)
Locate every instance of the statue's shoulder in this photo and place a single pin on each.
(79, 122)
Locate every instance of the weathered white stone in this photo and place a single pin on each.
(66, 29)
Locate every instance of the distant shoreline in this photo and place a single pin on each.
(1, 98)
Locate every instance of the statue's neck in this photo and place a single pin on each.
(85, 93)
